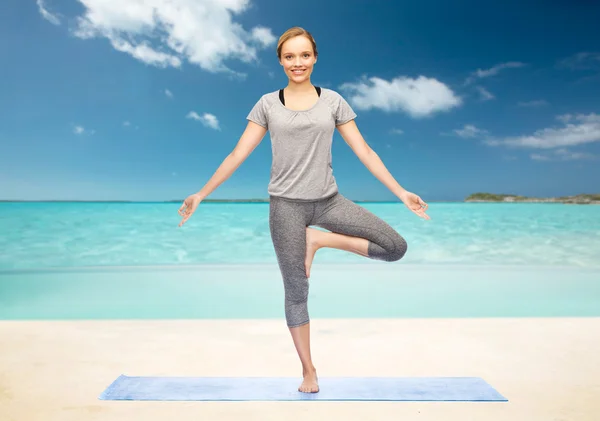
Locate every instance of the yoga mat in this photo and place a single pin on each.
(286, 389)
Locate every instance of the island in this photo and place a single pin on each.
(580, 199)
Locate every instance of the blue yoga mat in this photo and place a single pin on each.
(286, 389)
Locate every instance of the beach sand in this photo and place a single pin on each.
(548, 368)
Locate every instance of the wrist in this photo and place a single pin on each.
(402, 194)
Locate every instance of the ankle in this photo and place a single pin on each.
(309, 371)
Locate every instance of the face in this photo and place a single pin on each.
(297, 54)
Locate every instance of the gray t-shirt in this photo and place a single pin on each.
(301, 144)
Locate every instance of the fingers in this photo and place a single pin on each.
(421, 213)
(186, 216)
(183, 210)
(184, 213)
(187, 213)
(424, 206)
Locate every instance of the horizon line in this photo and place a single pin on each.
(468, 198)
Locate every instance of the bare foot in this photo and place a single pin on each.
(312, 245)
(310, 383)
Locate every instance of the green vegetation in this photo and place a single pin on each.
(492, 197)
(592, 197)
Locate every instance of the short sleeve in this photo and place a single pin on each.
(343, 111)
(258, 114)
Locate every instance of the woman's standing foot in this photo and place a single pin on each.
(310, 383)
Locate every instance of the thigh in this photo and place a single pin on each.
(287, 222)
(343, 216)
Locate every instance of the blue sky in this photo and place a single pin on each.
(139, 100)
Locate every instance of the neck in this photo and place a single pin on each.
(302, 87)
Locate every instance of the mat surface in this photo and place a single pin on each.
(286, 389)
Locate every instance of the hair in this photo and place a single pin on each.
(294, 32)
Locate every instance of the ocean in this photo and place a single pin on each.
(131, 260)
(72, 234)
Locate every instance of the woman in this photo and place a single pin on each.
(302, 119)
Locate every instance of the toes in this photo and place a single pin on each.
(308, 389)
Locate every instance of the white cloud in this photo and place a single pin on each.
(418, 97)
(397, 131)
(562, 155)
(209, 120)
(485, 94)
(128, 124)
(581, 61)
(564, 118)
(480, 74)
(263, 35)
(576, 130)
(168, 93)
(144, 52)
(52, 18)
(80, 130)
(470, 131)
(164, 33)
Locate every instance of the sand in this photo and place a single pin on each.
(548, 368)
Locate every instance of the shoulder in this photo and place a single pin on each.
(334, 100)
(332, 97)
(338, 106)
(268, 99)
(330, 93)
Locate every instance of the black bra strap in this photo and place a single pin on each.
(282, 99)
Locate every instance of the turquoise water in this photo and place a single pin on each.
(130, 260)
(336, 291)
(42, 235)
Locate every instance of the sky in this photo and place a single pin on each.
(142, 100)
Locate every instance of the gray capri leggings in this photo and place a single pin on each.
(288, 220)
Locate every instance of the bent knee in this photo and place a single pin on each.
(399, 249)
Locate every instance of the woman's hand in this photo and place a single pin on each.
(415, 204)
(188, 207)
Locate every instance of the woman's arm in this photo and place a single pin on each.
(250, 139)
(369, 157)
